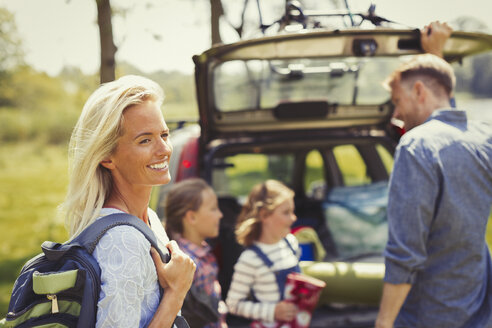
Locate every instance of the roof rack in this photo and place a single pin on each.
(295, 15)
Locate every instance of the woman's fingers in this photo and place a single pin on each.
(172, 246)
(180, 269)
(178, 273)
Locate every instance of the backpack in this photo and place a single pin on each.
(61, 286)
(200, 309)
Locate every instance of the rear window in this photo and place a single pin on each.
(386, 157)
(314, 180)
(236, 175)
(352, 166)
(255, 84)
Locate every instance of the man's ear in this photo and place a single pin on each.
(420, 91)
(107, 163)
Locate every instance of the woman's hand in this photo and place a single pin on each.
(285, 311)
(175, 277)
(177, 274)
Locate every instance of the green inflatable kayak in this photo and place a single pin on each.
(347, 283)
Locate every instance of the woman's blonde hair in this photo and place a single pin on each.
(264, 197)
(184, 196)
(94, 138)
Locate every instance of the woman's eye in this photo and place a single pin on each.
(165, 135)
(144, 141)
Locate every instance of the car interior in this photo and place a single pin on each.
(325, 174)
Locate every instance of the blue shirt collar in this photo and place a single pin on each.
(448, 115)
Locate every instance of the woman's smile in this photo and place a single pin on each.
(161, 166)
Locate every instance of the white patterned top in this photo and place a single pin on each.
(129, 285)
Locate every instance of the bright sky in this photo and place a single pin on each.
(165, 36)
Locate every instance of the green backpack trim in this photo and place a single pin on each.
(53, 283)
(68, 307)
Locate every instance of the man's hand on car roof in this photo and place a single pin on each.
(434, 36)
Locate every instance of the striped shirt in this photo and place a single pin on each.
(251, 274)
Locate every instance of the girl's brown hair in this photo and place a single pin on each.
(184, 196)
(264, 197)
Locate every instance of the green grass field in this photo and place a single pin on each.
(33, 181)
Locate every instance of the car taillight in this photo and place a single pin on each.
(398, 126)
(400, 131)
(188, 166)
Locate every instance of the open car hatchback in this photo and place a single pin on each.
(307, 108)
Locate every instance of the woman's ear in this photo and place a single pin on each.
(107, 163)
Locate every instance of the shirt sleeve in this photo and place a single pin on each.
(238, 298)
(413, 191)
(126, 271)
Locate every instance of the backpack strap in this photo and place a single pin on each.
(91, 235)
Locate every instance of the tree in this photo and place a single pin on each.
(108, 49)
(11, 54)
(216, 11)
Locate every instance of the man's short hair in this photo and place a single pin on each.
(430, 69)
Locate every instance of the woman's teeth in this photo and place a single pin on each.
(159, 166)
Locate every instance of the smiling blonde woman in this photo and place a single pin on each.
(119, 150)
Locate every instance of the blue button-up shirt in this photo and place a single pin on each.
(440, 198)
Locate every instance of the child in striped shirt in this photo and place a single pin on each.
(272, 252)
(193, 215)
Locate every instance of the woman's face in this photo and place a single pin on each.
(143, 151)
(208, 215)
(278, 222)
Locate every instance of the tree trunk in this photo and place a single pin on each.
(108, 49)
(216, 11)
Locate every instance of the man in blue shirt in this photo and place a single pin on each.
(438, 266)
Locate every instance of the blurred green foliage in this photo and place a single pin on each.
(40, 107)
(33, 177)
(474, 75)
(35, 106)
